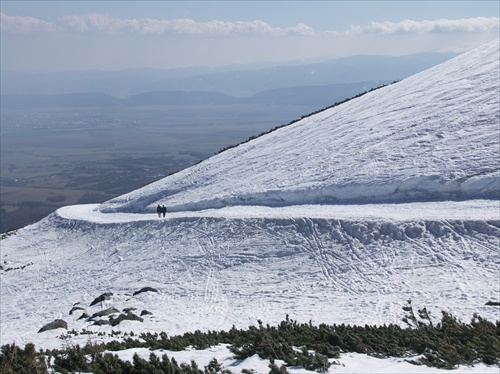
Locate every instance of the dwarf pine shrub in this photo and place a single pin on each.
(446, 344)
(15, 360)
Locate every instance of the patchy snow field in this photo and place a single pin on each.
(338, 218)
(349, 363)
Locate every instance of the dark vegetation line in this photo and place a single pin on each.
(444, 345)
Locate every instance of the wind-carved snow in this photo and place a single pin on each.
(338, 218)
(433, 136)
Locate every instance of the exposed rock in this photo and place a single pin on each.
(101, 322)
(145, 312)
(104, 296)
(56, 324)
(75, 308)
(105, 312)
(145, 289)
(84, 315)
(128, 317)
(127, 310)
(493, 303)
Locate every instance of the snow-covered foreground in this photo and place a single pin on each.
(265, 229)
(214, 270)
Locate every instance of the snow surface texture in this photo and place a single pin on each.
(431, 136)
(263, 230)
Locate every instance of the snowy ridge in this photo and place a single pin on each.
(432, 136)
(338, 218)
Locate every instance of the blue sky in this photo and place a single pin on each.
(68, 35)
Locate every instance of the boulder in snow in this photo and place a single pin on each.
(104, 296)
(145, 289)
(56, 324)
(128, 317)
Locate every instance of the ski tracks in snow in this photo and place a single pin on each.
(222, 271)
(209, 264)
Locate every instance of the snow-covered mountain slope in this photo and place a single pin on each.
(259, 231)
(432, 136)
(231, 266)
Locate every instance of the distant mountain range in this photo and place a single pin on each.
(305, 95)
(235, 80)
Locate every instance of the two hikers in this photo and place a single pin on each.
(161, 210)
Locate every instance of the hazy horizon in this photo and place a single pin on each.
(42, 36)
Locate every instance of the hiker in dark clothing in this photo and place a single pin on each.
(158, 210)
(164, 210)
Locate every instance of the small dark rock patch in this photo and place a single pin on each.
(126, 317)
(56, 324)
(127, 310)
(75, 308)
(145, 289)
(145, 312)
(84, 315)
(101, 322)
(104, 296)
(493, 303)
(105, 312)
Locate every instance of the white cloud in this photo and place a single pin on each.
(98, 22)
(148, 26)
(479, 24)
(101, 23)
(23, 25)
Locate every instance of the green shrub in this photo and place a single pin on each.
(15, 360)
(446, 344)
